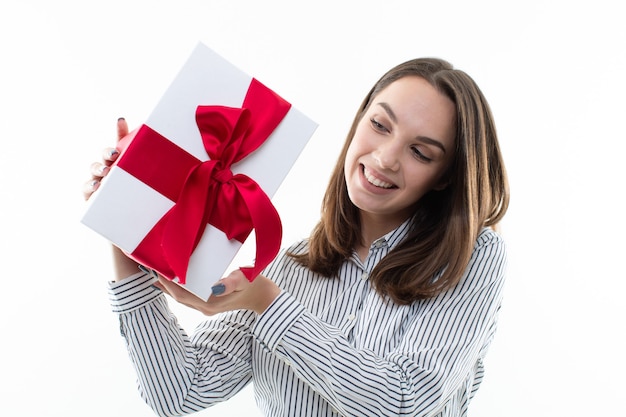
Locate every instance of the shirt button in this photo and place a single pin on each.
(287, 363)
(365, 276)
(351, 317)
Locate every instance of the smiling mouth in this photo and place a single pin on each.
(376, 181)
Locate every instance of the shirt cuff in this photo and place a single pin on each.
(276, 320)
(133, 292)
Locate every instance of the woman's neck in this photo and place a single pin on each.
(374, 227)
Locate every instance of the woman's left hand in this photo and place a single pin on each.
(233, 292)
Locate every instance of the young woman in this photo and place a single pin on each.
(386, 310)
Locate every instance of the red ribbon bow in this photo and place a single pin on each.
(207, 192)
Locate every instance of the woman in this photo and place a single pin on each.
(387, 309)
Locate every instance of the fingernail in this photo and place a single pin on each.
(218, 289)
(113, 152)
(93, 184)
(121, 119)
(103, 169)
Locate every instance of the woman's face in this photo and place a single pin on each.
(401, 149)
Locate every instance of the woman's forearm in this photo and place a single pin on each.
(123, 266)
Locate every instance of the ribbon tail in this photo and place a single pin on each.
(267, 227)
(186, 221)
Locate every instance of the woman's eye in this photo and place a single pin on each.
(378, 126)
(420, 155)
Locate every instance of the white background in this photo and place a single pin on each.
(553, 72)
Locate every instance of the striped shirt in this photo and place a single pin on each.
(324, 347)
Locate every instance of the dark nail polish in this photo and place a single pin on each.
(120, 119)
(218, 289)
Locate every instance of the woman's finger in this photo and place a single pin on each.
(235, 281)
(109, 155)
(90, 187)
(122, 128)
(99, 170)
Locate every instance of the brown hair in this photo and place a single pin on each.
(446, 223)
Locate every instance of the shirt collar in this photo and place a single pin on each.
(396, 236)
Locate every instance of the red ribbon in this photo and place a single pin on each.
(207, 191)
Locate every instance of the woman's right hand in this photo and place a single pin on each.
(123, 265)
(100, 169)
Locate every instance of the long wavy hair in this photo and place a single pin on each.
(446, 223)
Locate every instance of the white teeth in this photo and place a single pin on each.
(375, 181)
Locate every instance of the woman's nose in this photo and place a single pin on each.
(387, 156)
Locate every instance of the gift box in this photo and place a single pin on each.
(194, 181)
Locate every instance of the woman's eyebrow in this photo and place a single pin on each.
(431, 141)
(424, 139)
(390, 112)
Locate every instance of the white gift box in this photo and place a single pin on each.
(124, 209)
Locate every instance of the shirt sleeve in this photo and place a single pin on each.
(436, 362)
(177, 374)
